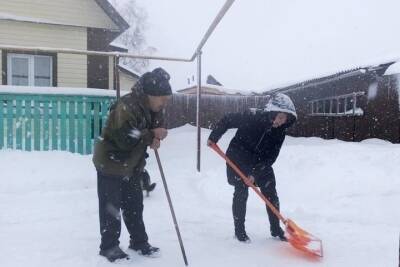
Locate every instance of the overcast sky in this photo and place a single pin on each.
(261, 44)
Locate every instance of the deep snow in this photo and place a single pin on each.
(344, 193)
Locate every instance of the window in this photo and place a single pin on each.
(334, 105)
(342, 101)
(327, 106)
(315, 107)
(343, 105)
(29, 70)
(320, 107)
(349, 104)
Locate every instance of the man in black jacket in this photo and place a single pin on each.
(254, 149)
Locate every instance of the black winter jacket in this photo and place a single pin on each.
(256, 144)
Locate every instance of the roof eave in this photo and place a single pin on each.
(113, 14)
(378, 70)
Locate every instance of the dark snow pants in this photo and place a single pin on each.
(267, 185)
(115, 194)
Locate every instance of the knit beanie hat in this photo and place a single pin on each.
(156, 83)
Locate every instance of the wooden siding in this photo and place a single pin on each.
(72, 69)
(83, 13)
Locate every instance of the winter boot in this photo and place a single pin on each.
(114, 253)
(146, 183)
(240, 230)
(144, 249)
(279, 233)
(242, 236)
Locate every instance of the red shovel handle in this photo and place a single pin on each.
(247, 181)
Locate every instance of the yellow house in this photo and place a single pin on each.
(73, 24)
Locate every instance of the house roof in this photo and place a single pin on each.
(372, 69)
(117, 47)
(113, 14)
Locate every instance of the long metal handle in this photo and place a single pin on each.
(171, 207)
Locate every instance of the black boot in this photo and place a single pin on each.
(146, 182)
(144, 249)
(150, 187)
(242, 236)
(279, 233)
(114, 253)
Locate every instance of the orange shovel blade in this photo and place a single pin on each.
(302, 240)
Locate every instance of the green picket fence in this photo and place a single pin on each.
(43, 122)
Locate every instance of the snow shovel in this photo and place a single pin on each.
(297, 237)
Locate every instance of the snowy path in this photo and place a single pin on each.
(344, 193)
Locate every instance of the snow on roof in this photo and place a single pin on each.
(119, 45)
(393, 69)
(220, 89)
(374, 65)
(8, 89)
(228, 90)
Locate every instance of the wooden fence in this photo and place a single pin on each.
(182, 109)
(44, 122)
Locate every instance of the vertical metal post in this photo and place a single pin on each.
(116, 77)
(198, 109)
(354, 116)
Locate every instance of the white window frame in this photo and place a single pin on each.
(31, 67)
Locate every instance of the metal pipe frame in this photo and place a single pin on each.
(203, 41)
(87, 52)
(116, 55)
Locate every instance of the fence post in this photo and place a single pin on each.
(46, 124)
(55, 130)
(1, 123)
(10, 137)
(19, 123)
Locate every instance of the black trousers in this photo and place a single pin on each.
(267, 185)
(115, 194)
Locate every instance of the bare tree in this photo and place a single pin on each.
(134, 38)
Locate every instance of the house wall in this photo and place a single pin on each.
(84, 13)
(126, 81)
(99, 66)
(71, 69)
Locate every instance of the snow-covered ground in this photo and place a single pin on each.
(345, 193)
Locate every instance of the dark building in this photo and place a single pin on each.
(352, 105)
